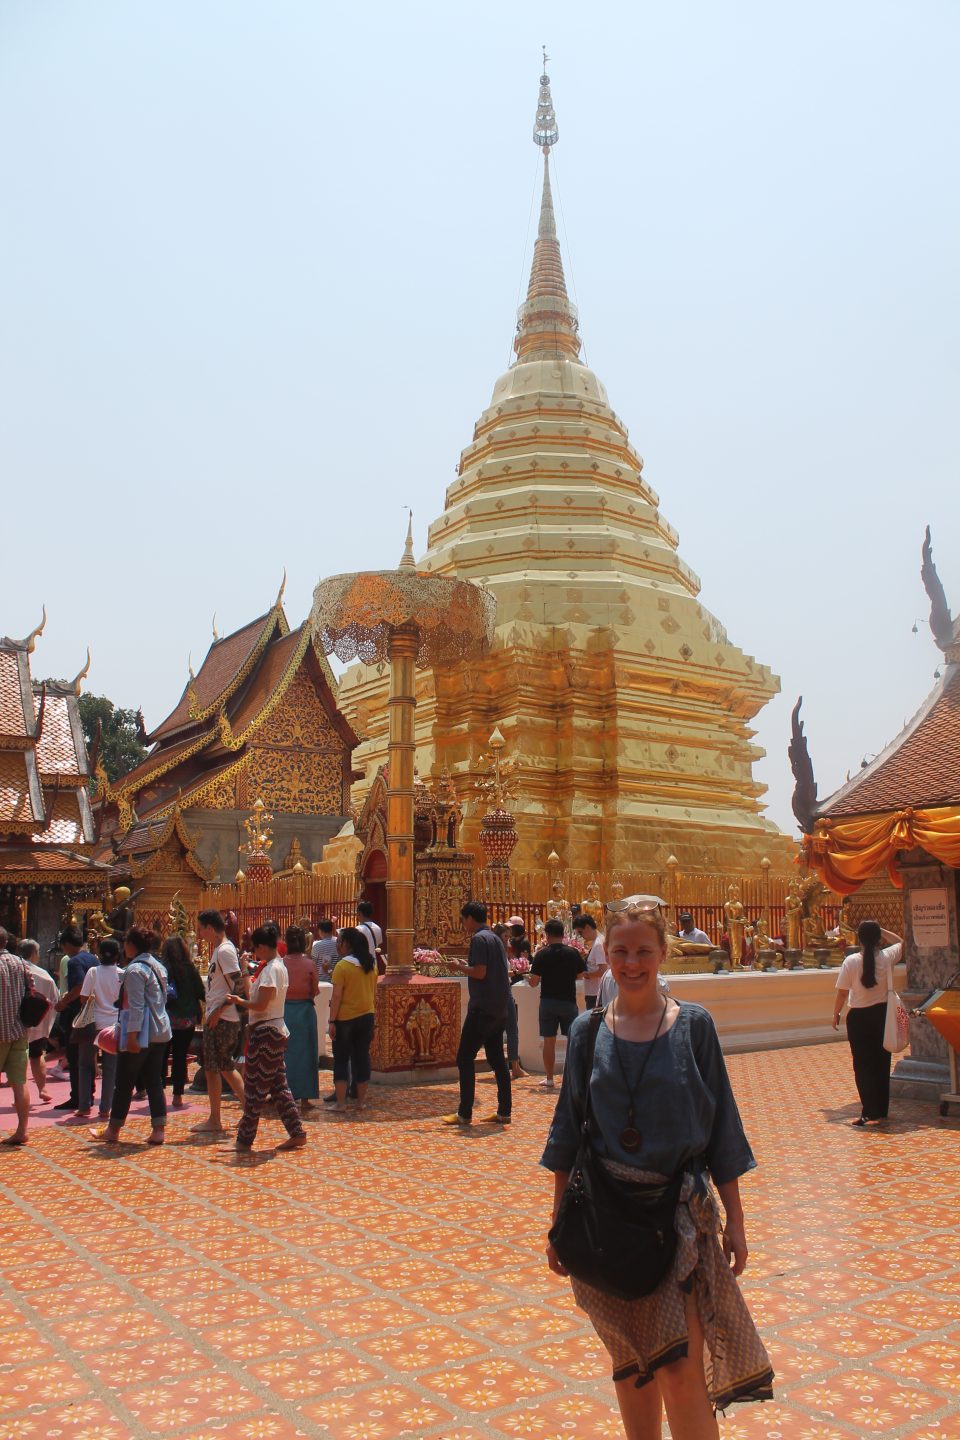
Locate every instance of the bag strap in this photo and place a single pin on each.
(597, 1016)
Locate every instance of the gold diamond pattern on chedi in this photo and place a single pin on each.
(289, 780)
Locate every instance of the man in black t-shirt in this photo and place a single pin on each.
(555, 969)
(488, 984)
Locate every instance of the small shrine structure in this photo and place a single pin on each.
(900, 816)
(48, 870)
(259, 721)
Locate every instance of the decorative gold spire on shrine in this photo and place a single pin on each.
(407, 562)
(547, 321)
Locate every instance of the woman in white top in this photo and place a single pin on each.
(102, 981)
(865, 980)
(265, 1075)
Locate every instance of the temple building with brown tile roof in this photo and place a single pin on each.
(48, 873)
(899, 817)
(259, 720)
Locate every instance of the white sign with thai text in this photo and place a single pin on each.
(929, 918)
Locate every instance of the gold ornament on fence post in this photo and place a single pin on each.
(498, 828)
(259, 843)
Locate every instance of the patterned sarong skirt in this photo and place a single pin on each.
(641, 1335)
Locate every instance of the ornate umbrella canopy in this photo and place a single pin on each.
(353, 616)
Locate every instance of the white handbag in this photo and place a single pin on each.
(896, 1029)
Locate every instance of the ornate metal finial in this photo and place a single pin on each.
(283, 586)
(545, 130)
(30, 643)
(499, 783)
(190, 666)
(407, 561)
(82, 675)
(213, 626)
(804, 802)
(941, 622)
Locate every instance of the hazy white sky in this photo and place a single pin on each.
(260, 261)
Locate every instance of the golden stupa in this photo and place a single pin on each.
(623, 704)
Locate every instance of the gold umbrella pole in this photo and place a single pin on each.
(402, 653)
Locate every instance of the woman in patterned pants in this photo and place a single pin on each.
(265, 1076)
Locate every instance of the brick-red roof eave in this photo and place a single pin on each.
(919, 769)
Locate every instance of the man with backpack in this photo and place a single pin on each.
(13, 1037)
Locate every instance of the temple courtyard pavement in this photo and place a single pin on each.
(389, 1280)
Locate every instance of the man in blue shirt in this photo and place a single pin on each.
(79, 961)
(488, 984)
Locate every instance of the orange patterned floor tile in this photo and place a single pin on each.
(391, 1281)
(423, 1346)
(488, 1384)
(378, 1414)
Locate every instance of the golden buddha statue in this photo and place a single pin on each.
(736, 924)
(593, 905)
(792, 915)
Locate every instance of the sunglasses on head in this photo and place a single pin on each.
(649, 904)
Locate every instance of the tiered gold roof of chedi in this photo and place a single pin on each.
(620, 695)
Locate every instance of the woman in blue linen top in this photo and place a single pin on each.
(662, 1104)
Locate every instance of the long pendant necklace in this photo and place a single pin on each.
(630, 1137)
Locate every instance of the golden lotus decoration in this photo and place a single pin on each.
(407, 618)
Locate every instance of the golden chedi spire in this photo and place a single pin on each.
(622, 694)
(547, 322)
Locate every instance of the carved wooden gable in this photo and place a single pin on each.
(298, 760)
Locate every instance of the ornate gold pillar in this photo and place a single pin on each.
(402, 654)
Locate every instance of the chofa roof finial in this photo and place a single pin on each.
(804, 801)
(941, 622)
(31, 640)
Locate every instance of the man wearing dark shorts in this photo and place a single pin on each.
(221, 1023)
(488, 978)
(555, 969)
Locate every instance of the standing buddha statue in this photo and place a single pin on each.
(736, 923)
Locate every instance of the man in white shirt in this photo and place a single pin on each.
(221, 1025)
(369, 927)
(324, 950)
(689, 931)
(45, 985)
(586, 928)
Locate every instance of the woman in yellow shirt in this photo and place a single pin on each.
(352, 1015)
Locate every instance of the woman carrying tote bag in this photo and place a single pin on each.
(865, 980)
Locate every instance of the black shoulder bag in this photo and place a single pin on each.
(33, 1006)
(616, 1235)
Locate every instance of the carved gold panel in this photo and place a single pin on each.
(297, 781)
(418, 1024)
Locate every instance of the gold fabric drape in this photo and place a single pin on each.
(847, 852)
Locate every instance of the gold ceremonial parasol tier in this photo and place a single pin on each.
(407, 618)
(354, 616)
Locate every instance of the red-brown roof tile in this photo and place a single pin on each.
(56, 748)
(67, 825)
(224, 662)
(267, 677)
(919, 769)
(47, 860)
(21, 800)
(164, 756)
(16, 719)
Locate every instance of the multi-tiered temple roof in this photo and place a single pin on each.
(46, 823)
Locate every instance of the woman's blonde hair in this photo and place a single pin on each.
(652, 917)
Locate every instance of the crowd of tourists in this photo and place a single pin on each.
(121, 1018)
